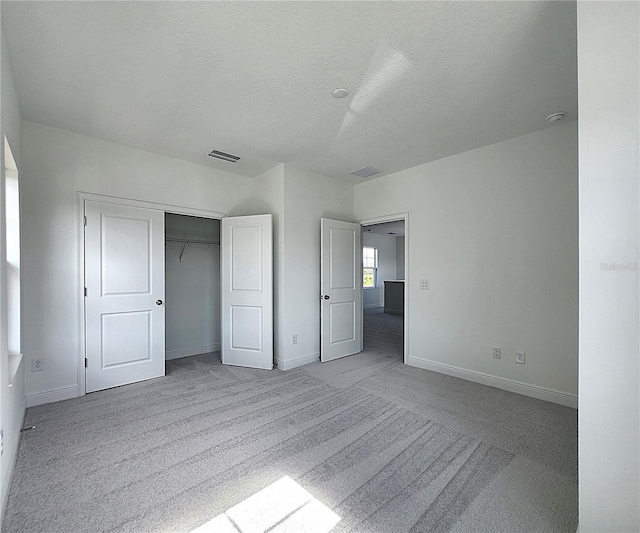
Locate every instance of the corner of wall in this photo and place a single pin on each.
(609, 370)
(308, 197)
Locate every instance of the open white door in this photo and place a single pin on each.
(247, 291)
(124, 277)
(341, 289)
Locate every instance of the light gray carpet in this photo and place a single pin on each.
(387, 448)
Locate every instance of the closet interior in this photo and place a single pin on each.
(192, 285)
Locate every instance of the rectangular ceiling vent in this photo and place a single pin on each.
(225, 157)
(365, 172)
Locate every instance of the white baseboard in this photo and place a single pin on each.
(50, 396)
(194, 350)
(372, 306)
(534, 391)
(298, 361)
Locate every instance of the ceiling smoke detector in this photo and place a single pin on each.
(555, 117)
(340, 92)
(224, 156)
(365, 172)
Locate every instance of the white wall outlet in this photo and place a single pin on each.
(37, 364)
(425, 285)
(497, 353)
(520, 357)
(294, 339)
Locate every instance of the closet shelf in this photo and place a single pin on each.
(189, 242)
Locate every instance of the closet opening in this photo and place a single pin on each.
(192, 290)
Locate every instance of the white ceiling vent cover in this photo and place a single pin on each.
(225, 157)
(365, 172)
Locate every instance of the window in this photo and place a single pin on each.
(12, 265)
(369, 267)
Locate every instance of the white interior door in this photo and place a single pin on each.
(247, 291)
(124, 277)
(341, 289)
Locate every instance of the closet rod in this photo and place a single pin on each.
(187, 242)
(191, 241)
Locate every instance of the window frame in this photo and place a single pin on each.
(10, 228)
(367, 267)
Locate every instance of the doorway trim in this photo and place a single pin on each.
(395, 218)
(81, 197)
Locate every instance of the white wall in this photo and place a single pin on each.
(495, 231)
(400, 257)
(60, 164)
(12, 398)
(386, 246)
(609, 428)
(308, 197)
(192, 287)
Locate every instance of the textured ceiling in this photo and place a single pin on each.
(426, 79)
(395, 228)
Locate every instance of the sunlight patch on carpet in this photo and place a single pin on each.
(283, 506)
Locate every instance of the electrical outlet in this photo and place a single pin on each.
(497, 353)
(520, 357)
(294, 339)
(425, 285)
(37, 364)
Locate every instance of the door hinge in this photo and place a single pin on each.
(85, 291)
(86, 362)
(85, 219)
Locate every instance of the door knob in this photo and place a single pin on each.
(158, 302)
(327, 297)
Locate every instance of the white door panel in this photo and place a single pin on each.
(247, 291)
(246, 257)
(341, 289)
(126, 254)
(246, 328)
(125, 338)
(124, 276)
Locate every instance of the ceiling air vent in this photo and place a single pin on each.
(225, 157)
(365, 172)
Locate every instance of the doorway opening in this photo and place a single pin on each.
(384, 277)
(192, 288)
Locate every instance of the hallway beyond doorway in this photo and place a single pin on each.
(383, 333)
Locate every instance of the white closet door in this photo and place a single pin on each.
(124, 276)
(247, 291)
